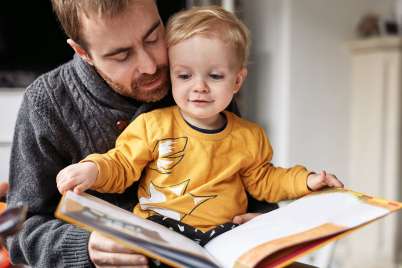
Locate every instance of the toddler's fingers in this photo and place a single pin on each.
(337, 183)
(61, 188)
(334, 182)
(59, 176)
(80, 188)
(70, 183)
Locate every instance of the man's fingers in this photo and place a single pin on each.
(3, 188)
(108, 259)
(104, 252)
(99, 242)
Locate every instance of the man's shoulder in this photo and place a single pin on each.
(54, 78)
(48, 87)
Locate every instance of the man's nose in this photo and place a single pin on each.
(145, 62)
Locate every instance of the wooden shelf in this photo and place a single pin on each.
(377, 43)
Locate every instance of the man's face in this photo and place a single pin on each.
(129, 50)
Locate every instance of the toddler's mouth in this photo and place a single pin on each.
(201, 101)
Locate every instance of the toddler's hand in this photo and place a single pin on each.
(78, 177)
(318, 181)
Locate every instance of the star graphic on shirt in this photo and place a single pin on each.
(170, 152)
(159, 195)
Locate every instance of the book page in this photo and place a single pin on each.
(339, 210)
(146, 236)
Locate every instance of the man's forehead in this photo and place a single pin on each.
(135, 21)
(102, 12)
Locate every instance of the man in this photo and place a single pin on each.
(119, 71)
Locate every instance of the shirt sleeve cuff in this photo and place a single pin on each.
(75, 248)
(102, 170)
(301, 187)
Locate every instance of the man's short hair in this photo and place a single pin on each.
(69, 11)
(210, 21)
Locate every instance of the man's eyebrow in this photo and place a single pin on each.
(126, 49)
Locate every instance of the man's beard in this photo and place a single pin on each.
(136, 91)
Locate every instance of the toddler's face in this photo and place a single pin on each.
(205, 75)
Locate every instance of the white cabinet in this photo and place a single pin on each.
(375, 151)
(10, 100)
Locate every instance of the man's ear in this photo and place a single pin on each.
(80, 51)
(241, 76)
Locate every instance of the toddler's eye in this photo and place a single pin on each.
(184, 76)
(216, 76)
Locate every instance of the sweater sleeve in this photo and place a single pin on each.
(121, 166)
(266, 182)
(43, 240)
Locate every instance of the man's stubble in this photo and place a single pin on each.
(136, 91)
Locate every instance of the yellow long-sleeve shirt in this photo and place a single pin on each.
(197, 178)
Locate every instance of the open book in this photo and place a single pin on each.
(274, 239)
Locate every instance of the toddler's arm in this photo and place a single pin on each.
(78, 177)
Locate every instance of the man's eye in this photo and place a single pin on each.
(121, 57)
(184, 76)
(153, 38)
(216, 76)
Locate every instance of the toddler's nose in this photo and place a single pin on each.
(201, 87)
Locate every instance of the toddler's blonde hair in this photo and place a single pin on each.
(210, 21)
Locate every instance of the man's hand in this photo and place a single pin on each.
(318, 181)
(104, 252)
(3, 189)
(243, 218)
(78, 177)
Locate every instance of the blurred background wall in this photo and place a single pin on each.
(299, 82)
(307, 85)
(327, 105)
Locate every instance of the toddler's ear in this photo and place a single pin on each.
(241, 76)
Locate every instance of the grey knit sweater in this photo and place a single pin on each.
(65, 115)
